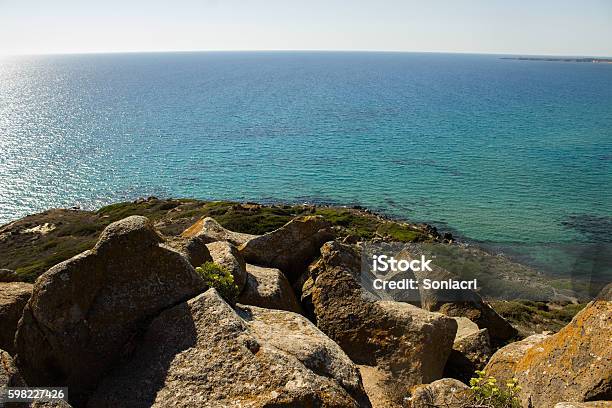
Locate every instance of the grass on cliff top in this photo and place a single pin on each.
(76, 231)
(368, 226)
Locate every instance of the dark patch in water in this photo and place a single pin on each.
(596, 228)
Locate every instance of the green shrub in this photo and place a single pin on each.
(487, 393)
(218, 277)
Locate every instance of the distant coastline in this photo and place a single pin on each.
(562, 59)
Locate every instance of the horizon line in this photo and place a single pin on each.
(176, 51)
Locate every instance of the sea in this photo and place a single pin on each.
(515, 156)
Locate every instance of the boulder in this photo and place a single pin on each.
(471, 351)
(211, 231)
(13, 298)
(447, 392)
(374, 384)
(268, 288)
(574, 364)
(464, 303)
(6, 275)
(407, 345)
(571, 365)
(478, 311)
(291, 247)
(85, 313)
(465, 327)
(227, 255)
(9, 373)
(204, 353)
(193, 248)
(502, 364)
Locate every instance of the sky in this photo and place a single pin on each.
(538, 27)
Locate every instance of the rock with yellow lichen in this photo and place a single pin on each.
(573, 365)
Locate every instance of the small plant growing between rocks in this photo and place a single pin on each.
(218, 277)
(487, 393)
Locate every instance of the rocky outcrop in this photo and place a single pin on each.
(464, 303)
(211, 231)
(447, 392)
(502, 364)
(227, 255)
(85, 313)
(126, 324)
(9, 374)
(193, 248)
(407, 345)
(268, 288)
(13, 298)
(471, 351)
(204, 353)
(291, 247)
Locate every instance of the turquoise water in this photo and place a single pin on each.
(516, 154)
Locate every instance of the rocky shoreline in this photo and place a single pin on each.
(130, 316)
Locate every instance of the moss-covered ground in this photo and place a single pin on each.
(74, 231)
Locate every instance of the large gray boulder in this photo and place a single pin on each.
(291, 247)
(406, 345)
(268, 288)
(203, 353)
(13, 298)
(210, 230)
(85, 313)
(225, 254)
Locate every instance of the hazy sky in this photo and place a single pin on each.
(556, 27)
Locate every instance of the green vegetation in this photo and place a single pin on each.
(486, 392)
(63, 252)
(541, 315)
(251, 219)
(74, 231)
(218, 277)
(399, 232)
(368, 226)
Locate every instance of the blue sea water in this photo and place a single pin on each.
(514, 154)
